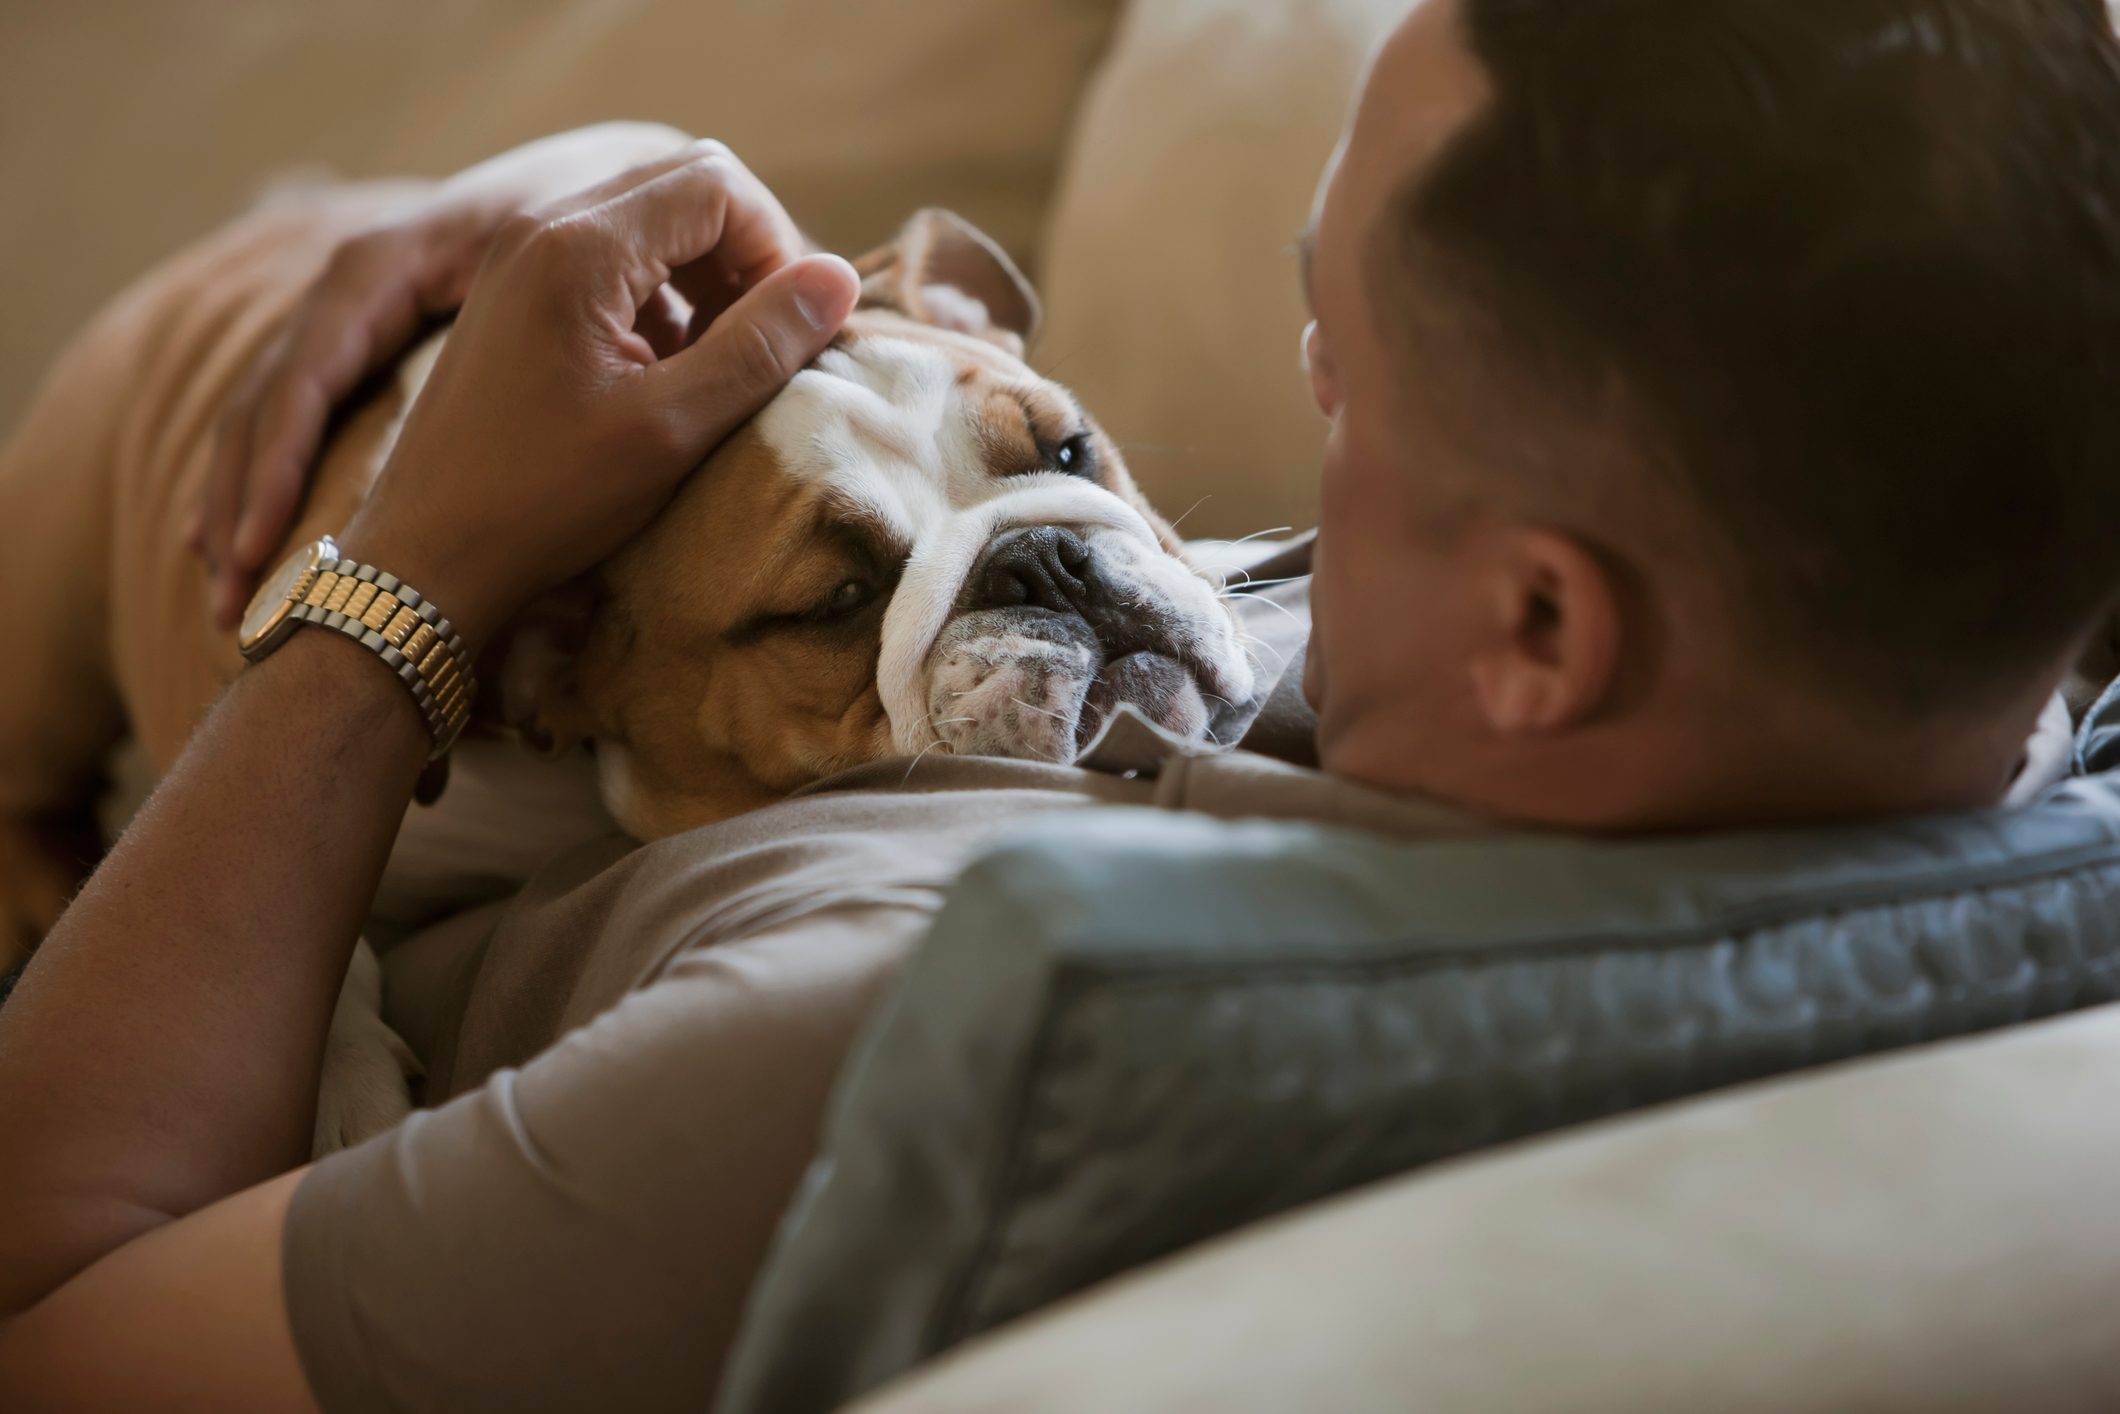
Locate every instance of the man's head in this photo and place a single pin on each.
(1725, 401)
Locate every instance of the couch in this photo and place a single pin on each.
(1883, 1177)
(1150, 162)
(1932, 1233)
(1931, 1229)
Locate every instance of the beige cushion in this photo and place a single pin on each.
(1931, 1233)
(1170, 278)
(126, 130)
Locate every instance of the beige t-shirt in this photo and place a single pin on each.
(629, 1064)
(577, 1225)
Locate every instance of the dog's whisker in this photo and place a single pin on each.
(1278, 608)
(1039, 710)
(1259, 535)
(1249, 586)
(938, 745)
(1189, 510)
(1247, 643)
(1052, 370)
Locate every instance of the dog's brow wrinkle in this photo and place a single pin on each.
(891, 434)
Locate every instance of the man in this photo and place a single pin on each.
(1720, 406)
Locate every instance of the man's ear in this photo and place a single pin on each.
(1551, 651)
(530, 674)
(944, 271)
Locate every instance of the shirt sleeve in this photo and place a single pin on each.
(581, 1233)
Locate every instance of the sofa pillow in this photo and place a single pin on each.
(1133, 1031)
(126, 131)
(1926, 1233)
(1172, 297)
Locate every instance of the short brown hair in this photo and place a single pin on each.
(1857, 265)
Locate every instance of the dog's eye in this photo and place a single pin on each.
(846, 609)
(848, 598)
(1076, 456)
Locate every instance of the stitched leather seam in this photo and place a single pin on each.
(1417, 952)
(1934, 996)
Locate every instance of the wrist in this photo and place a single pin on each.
(446, 576)
(357, 683)
(387, 616)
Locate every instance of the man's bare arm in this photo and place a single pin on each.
(158, 1060)
(179, 1009)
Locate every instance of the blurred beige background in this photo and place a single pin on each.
(1150, 161)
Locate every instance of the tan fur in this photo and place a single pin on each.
(107, 625)
(710, 725)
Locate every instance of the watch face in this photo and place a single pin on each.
(269, 606)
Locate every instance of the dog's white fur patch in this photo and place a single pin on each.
(886, 426)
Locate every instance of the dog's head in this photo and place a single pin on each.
(921, 545)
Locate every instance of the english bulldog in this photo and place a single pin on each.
(922, 545)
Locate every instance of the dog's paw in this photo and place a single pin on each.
(367, 1082)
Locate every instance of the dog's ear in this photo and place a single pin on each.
(530, 674)
(944, 271)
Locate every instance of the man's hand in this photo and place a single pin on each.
(372, 298)
(574, 394)
(380, 288)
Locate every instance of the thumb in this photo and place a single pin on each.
(748, 355)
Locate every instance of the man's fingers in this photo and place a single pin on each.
(748, 355)
(707, 226)
(365, 306)
(290, 430)
(328, 362)
(347, 333)
(221, 501)
(220, 508)
(757, 238)
(665, 322)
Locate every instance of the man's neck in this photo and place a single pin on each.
(1651, 778)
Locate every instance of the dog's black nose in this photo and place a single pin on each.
(1044, 567)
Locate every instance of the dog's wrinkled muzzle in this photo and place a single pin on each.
(1020, 629)
(1053, 630)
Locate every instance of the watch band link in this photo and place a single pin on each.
(392, 620)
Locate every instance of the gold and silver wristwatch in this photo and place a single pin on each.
(377, 611)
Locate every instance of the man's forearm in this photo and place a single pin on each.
(162, 1050)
